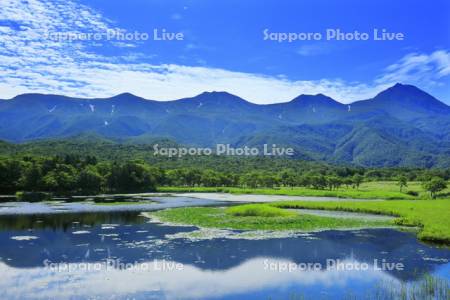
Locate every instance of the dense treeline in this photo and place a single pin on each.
(125, 150)
(74, 174)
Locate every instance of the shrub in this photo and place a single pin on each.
(258, 210)
(33, 196)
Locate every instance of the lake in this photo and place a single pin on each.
(114, 254)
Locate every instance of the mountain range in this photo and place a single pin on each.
(401, 126)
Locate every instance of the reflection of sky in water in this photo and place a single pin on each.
(22, 208)
(221, 267)
(191, 282)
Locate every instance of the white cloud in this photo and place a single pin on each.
(190, 282)
(31, 63)
(426, 69)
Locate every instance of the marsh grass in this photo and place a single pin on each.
(252, 218)
(388, 190)
(428, 288)
(431, 216)
(258, 210)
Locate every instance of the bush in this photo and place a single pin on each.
(258, 210)
(33, 196)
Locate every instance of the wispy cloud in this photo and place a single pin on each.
(30, 62)
(426, 69)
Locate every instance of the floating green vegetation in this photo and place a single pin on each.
(258, 217)
(258, 210)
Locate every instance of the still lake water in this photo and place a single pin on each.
(124, 255)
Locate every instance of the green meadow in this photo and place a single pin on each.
(388, 190)
(431, 216)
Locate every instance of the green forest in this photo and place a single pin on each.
(90, 165)
(82, 175)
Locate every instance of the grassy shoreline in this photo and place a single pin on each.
(431, 216)
(304, 192)
(388, 190)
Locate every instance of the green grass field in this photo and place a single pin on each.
(258, 217)
(258, 210)
(388, 190)
(432, 216)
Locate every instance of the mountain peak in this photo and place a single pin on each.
(304, 97)
(322, 95)
(126, 94)
(318, 99)
(399, 85)
(405, 93)
(37, 95)
(219, 97)
(217, 94)
(126, 97)
(404, 101)
(404, 87)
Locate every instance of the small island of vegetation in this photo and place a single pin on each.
(259, 217)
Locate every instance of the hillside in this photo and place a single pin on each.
(401, 126)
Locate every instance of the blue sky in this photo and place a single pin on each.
(223, 48)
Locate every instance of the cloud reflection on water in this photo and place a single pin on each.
(189, 283)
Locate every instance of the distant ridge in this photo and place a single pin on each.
(401, 125)
(390, 94)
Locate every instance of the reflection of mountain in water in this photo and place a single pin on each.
(127, 236)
